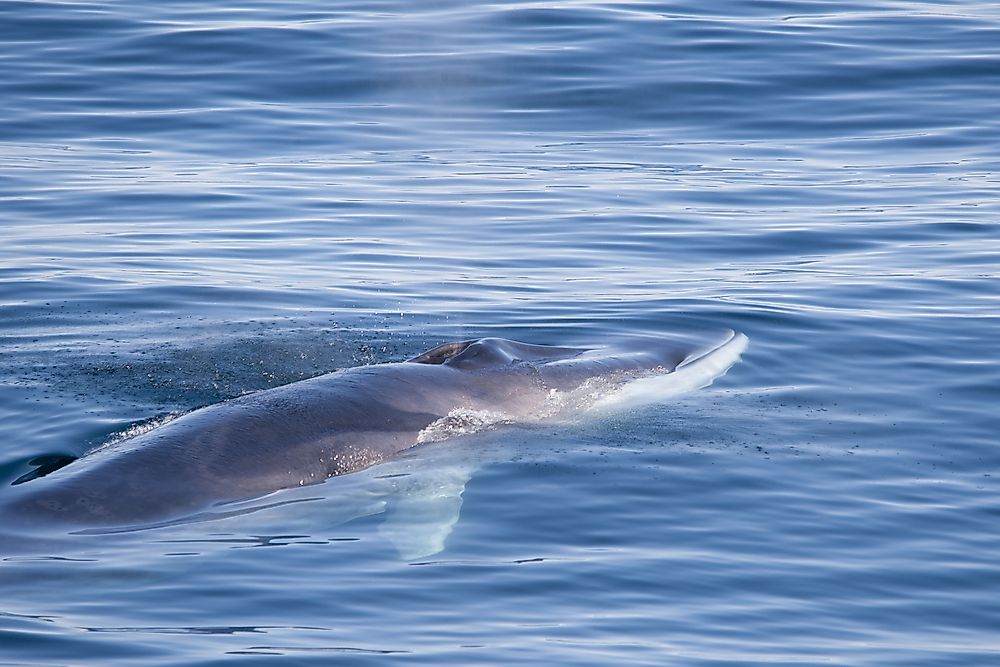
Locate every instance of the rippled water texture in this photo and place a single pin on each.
(198, 201)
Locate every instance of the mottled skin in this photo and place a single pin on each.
(305, 432)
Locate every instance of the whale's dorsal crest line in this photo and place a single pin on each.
(442, 353)
(483, 353)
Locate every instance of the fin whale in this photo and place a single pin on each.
(308, 431)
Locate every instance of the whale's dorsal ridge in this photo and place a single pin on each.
(442, 353)
(486, 353)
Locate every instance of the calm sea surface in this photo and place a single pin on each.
(199, 200)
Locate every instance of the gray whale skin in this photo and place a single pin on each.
(305, 432)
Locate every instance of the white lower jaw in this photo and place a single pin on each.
(693, 374)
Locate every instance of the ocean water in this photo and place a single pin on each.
(199, 200)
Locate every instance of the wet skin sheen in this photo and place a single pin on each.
(308, 431)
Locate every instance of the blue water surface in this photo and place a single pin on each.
(198, 200)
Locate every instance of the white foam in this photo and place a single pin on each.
(461, 421)
(131, 432)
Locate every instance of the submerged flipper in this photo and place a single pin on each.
(424, 508)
